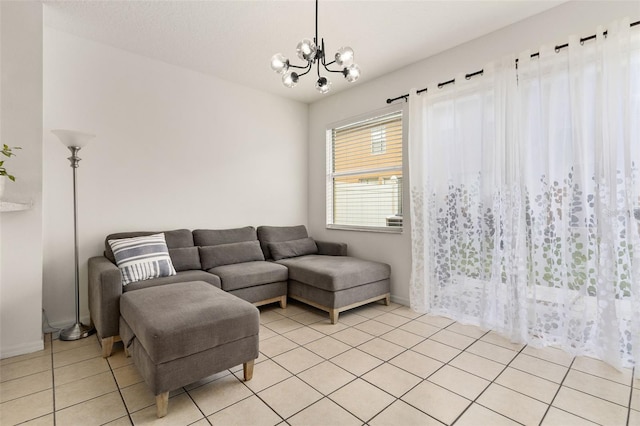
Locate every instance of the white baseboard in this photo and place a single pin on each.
(59, 325)
(401, 300)
(25, 348)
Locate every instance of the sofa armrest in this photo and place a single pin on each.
(105, 289)
(331, 249)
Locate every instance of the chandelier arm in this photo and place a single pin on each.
(299, 67)
(340, 71)
(308, 68)
(316, 39)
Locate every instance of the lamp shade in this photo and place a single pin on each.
(73, 138)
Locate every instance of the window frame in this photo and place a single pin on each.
(329, 175)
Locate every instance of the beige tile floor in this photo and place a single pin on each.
(381, 365)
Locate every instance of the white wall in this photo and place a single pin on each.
(21, 125)
(552, 26)
(174, 149)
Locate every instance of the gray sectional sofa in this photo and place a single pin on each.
(261, 266)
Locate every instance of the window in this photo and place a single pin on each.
(364, 174)
(378, 140)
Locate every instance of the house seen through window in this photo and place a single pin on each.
(364, 174)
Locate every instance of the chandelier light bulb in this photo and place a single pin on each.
(290, 79)
(306, 50)
(351, 73)
(279, 63)
(323, 85)
(344, 56)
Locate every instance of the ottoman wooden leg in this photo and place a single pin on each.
(107, 346)
(162, 404)
(387, 300)
(283, 302)
(247, 369)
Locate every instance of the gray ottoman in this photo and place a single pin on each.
(181, 333)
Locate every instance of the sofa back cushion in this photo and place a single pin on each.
(277, 234)
(185, 258)
(177, 240)
(293, 248)
(229, 254)
(214, 237)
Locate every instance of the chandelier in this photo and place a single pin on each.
(314, 54)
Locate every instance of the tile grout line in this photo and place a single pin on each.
(487, 387)
(476, 339)
(434, 372)
(406, 347)
(633, 375)
(474, 401)
(256, 393)
(596, 396)
(118, 387)
(53, 399)
(204, 416)
(356, 377)
(284, 368)
(557, 392)
(53, 381)
(311, 386)
(296, 376)
(438, 369)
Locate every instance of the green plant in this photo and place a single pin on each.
(7, 151)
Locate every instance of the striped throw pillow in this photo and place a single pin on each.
(142, 258)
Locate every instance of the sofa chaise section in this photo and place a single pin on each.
(321, 274)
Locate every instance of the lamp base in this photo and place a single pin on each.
(76, 332)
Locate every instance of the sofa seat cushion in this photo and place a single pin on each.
(178, 320)
(249, 274)
(180, 277)
(334, 273)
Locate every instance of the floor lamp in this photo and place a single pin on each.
(75, 141)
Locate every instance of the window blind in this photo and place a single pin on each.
(364, 174)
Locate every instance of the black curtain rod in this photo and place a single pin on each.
(473, 74)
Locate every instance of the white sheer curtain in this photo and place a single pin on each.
(524, 186)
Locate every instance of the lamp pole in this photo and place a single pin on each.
(75, 141)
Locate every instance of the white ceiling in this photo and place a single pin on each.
(234, 40)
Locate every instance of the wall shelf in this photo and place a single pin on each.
(11, 206)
